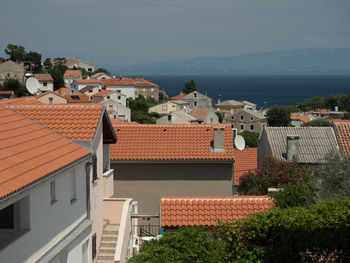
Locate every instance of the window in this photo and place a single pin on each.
(242, 117)
(94, 169)
(169, 117)
(7, 218)
(53, 192)
(90, 91)
(118, 90)
(119, 97)
(152, 89)
(108, 97)
(195, 94)
(45, 83)
(90, 69)
(50, 100)
(252, 127)
(232, 118)
(8, 75)
(195, 103)
(242, 127)
(211, 120)
(164, 107)
(111, 106)
(74, 189)
(251, 118)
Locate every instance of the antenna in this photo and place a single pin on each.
(240, 142)
(32, 85)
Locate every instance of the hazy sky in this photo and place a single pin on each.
(136, 31)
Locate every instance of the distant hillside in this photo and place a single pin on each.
(296, 61)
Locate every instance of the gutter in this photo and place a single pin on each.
(176, 161)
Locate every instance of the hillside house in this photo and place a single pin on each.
(11, 70)
(247, 120)
(82, 83)
(147, 88)
(155, 160)
(104, 95)
(50, 97)
(204, 115)
(45, 81)
(90, 90)
(73, 63)
(65, 91)
(195, 99)
(170, 106)
(70, 75)
(123, 85)
(229, 107)
(100, 75)
(176, 117)
(122, 112)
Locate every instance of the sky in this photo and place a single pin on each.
(122, 32)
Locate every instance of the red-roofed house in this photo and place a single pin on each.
(78, 98)
(50, 97)
(46, 81)
(82, 83)
(105, 95)
(147, 88)
(90, 90)
(70, 75)
(123, 85)
(65, 91)
(160, 160)
(178, 211)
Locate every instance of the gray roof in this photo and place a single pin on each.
(230, 103)
(315, 142)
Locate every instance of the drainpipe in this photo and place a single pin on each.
(87, 171)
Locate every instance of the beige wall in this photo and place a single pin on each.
(165, 108)
(56, 99)
(48, 87)
(147, 182)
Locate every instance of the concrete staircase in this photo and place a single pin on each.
(108, 243)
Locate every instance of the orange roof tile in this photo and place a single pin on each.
(87, 88)
(342, 131)
(205, 210)
(200, 113)
(78, 98)
(77, 122)
(169, 142)
(30, 151)
(63, 91)
(103, 93)
(118, 82)
(43, 77)
(178, 97)
(245, 161)
(88, 81)
(140, 82)
(300, 116)
(69, 73)
(29, 100)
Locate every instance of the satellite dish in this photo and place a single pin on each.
(240, 142)
(32, 85)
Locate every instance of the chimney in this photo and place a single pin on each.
(292, 148)
(219, 139)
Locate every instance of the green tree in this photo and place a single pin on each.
(334, 177)
(57, 73)
(47, 64)
(189, 87)
(278, 116)
(251, 138)
(103, 70)
(188, 245)
(15, 52)
(14, 85)
(34, 58)
(317, 123)
(162, 96)
(220, 116)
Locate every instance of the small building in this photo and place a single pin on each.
(65, 91)
(123, 85)
(90, 90)
(104, 95)
(73, 63)
(204, 115)
(181, 211)
(78, 98)
(229, 107)
(122, 112)
(177, 117)
(249, 105)
(155, 160)
(70, 75)
(147, 88)
(11, 70)
(46, 82)
(50, 97)
(305, 145)
(82, 83)
(247, 120)
(195, 99)
(169, 106)
(100, 75)
(6, 94)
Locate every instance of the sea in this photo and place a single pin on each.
(265, 91)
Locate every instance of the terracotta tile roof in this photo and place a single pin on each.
(245, 161)
(87, 88)
(103, 93)
(118, 82)
(6, 92)
(43, 77)
(70, 73)
(178, 97)
(205, 210)
(300, 116)
(63, 91)
(77, 122)
(78, 98)
(169, 142)
(342, 131)
(200, 113)
(30, 151)
(140, 82)
(30, 100)
(88, 81)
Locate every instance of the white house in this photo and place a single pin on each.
(46, 82)
(82, 83)
(123, 85)
(100, 75)
(44, 213)
(109, 94)
(72, 63)
(122, 112)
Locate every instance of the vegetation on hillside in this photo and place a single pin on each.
(251, 138)
(14, 85)
(278, 116)
(139, 109)
(189, 86)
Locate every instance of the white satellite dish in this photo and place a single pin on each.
(240, 142)
(32, 85)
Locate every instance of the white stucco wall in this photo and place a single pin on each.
(50, 222)
(128, 91)
(48, 87)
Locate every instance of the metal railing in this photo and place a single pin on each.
(147, 230)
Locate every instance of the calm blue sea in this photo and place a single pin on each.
(265, 91)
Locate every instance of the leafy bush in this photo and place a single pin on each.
(278, 116)
(274, 173)
(190, 244)
(251, 138)
(14, 85)
(320, 234)
(317, 123)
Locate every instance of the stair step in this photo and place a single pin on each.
(106, 257)
(111, 227)
(108, 243)
(110, 232)
(107, 250)
(104, 261)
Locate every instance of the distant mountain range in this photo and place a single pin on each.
(295, 61)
